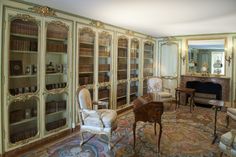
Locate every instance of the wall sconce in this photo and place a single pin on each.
(183, 58)
(228, 59)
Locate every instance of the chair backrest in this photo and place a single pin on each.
(84, 99)
(154, 85)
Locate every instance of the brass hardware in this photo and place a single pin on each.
(43, 10)
(228, 59)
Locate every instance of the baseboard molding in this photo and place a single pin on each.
(38, 144)
(124, 109)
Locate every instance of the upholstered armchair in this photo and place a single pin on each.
(94, 120)
(227, 144)
(155, 87)
(231, 113)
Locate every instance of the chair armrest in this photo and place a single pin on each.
(101, 103)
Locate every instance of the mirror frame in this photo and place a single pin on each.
(177, 69)
(187, 55)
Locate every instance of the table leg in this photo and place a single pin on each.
(215, 135)
(134, 129)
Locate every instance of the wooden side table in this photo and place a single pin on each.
(188, 91)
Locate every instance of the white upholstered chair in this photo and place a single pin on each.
(94, 120)
(155, 86)
(231, 113)
(227, 144)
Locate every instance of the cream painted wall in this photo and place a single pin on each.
(1, 128)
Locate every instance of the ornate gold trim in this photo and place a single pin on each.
(59, 23)
(104, 34)
(149, 37)
(43, 10)
(97, 24)
(24, 17)
(87, 30)
(129, 32)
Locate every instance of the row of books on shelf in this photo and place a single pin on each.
(56, 47)
(148, 65)
(122, 43)
(86, 68)
(132, 98)
(55, 106)
(104, 41)
(103, 77)
(22, 135)
(27, 28)
(134, 55)
(104, 53)
(121, 102)
(23, 45)
(103, 93)
(88, 51)
(148, 55)
(21, 114)
(85, 80)
(22, 90)
(56, 85)
(55, 124)
(57, 34)
(122, 53)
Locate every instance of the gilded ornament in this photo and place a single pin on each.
(129, 32)
(43, 10)
(59, 24)
(97, 24)
(24, 17)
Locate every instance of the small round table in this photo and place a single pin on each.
(188, 91)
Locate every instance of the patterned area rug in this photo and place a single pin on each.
(184, 134)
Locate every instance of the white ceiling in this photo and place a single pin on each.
(156, 17)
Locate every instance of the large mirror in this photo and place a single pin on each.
(206, 56)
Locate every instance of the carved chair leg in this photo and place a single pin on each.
(134, 129)
(227, 121)
(221, 154)
(82, 138)
(155, 128)
(159, 139)
(109, 140)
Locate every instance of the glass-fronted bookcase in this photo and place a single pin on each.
(95, 63)
(36, 72)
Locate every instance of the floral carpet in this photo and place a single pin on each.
(184, 134)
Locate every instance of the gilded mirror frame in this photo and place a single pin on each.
(200, 73)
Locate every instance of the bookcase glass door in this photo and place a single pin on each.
(122, 59)
(56, 58)
(56, 111)
(104, 94)
(104, 54)
(148, 59)
(23, 120)
(134, 90)
(86, 56)
(23, 56)
(134, 59)
(145, 88)
(121, 95)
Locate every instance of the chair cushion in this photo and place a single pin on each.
(165, 95)
(227, 140)
(232, 110)
(108, 117)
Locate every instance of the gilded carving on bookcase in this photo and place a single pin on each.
(22, 97)
(97, 24)
(57, 91)
(129, 32)
(105, 34)
(149, 42)
(60, 24)
(23, 142)
(43, 10)
(87, 30)
(24, 17)
(135, 40)
(149, 37)
(123, 37)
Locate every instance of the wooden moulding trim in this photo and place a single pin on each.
(38, 144)
(124, 109)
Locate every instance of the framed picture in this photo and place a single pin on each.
(16, 67)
